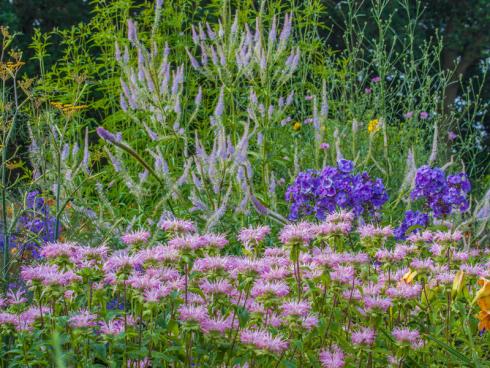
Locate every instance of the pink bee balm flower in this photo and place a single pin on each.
(370, 231)
(328, 228)
(83, 319)
(340, 216)
(113, 327)
(215, 240)
(217, 287)
(424, 115)
(60, 278)
(263, 340)
(188, 242)
(332, 358)
(275, 252)
(220, 325)
(158, 254)
(365, 336)
(190, 313)
(118, 263)
(420, 237)
(404, 291)
(135, 237)
(262, 288)
(142, 363)
(309, 322)
(376, 79)
(406, 335)
(32, 274)
(448, 237)
(343, 274)
(16, 297)
(295, 309)
(213, 264)
(324, 146)
(422, 264)
(276, 274)
(297, 233)
(57, 250)
(376, 303)
(253, 236)
(179, 227)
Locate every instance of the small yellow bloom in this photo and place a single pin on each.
(13, 251)
(297, 126)
(409, 276)
(68, 109)
(373, 125)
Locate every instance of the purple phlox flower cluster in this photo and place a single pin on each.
(440, 193)
(322, 192)
(35, 225)
(413, 221)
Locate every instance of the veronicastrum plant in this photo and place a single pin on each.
(261, 77)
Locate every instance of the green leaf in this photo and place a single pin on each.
(462, 358)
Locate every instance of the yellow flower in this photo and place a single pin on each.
(373, 126)
(297, 126)
(409, 276)
(68, 108)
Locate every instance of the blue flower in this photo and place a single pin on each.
(322, 192)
